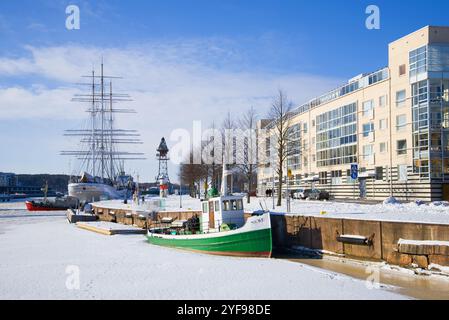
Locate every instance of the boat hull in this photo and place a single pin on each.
(252, 240)
(32, 206)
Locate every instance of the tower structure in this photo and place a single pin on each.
(162, 178)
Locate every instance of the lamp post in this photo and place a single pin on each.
(287, 180)
(272, 184)
(180, 195)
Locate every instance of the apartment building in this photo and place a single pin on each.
(393, 124)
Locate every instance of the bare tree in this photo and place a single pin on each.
(214, 168)
(247, 156)
(191, 174)
(280, 113)
(228, 140)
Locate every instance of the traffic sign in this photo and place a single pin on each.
(354, 171)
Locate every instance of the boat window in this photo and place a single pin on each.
(226, 206)
(239, 204)
(236, 205)
(217, 206)
(205, 208)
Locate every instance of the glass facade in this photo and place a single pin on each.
(430, 106)
(362, 82)
(336, 141)
(418, 61)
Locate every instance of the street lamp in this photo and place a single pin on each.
(180, 195)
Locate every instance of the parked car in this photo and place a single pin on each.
(301, 194)
(317, 194)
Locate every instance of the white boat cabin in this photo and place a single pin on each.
(223, 210)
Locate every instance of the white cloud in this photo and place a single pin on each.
(172, 83)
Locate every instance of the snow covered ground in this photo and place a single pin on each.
(410, 212)
(42, 256)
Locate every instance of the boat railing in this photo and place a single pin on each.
(180, 227)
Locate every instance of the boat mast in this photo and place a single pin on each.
(93, 123)
(102, 120)
(111, 149)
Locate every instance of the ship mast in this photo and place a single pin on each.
(93, 123)
(102, 138)
(111, 143)
(102, 121)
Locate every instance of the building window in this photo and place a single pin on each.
(400, 98)
(401, 122)
(367, 129)
(367, 108)
(294, 147)
(323, 177)
(267, 147)
(368, 152)
(418, 61)
(419, 93)
(401, 147)
(382, 101)
(313, 123)
(379, 173)
(402, 172)
(383, 124)
(336, 177)
(402, 70)
(336, 136)
(383, 147)
(305, 127)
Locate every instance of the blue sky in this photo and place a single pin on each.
(209, 56)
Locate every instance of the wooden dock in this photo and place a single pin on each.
(74, 217)
(109, 228)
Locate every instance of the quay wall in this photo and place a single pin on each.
(320, 233)
(140, 219)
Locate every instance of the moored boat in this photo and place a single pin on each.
(252, 239)
(220, 229)
(57, 205)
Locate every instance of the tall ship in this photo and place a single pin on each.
(102, 174)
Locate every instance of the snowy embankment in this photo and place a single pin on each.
(40, 257)
(407, 212)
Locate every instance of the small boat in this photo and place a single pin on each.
(221, 229)
(59, 204)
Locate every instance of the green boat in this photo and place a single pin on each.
(221, 230)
